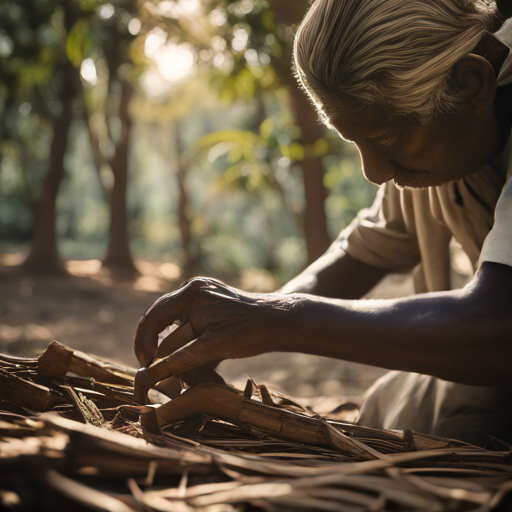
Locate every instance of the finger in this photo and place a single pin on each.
(202, 374)
(165, 311)
(186, 358)
(171, 387)
(177, 339)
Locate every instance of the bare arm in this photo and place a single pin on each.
(462, 335)
(336, 275)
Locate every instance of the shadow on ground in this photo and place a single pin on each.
(90, 311)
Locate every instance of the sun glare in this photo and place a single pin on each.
(172, 62)
(175, 62)
(88, 71)
(178, 9)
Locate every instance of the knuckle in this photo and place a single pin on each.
(141, 378)
(161, 299)
(139, 332)
(197, 283)
(142, 322)
(186, 359)
(186, 356)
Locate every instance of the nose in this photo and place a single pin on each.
(377, 167)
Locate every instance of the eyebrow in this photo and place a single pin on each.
(387, 134)
(352, 140)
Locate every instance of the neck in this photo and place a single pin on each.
(503, 112)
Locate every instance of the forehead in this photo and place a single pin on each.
(370, 121)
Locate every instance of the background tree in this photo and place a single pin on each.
(111, 34)
(52, 86)
(257, 52)
(207, 154)
(270, 27)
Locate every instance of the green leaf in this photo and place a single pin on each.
(79, 43)
(266, 128)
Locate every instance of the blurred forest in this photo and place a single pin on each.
(144, 142)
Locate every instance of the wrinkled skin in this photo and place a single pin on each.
(462, 335)
(216, 322)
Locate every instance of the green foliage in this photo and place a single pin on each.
(80, 42)
(31, 38)
(241, 147)
(349, 191)
(253, 42)
(258, 159)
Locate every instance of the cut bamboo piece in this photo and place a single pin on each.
(88, 410)
(225, 403)
(26, 394)
(57, 360)
(85, 495)
(272, 454)
(118, 454)
(13, 360)
(228, 404)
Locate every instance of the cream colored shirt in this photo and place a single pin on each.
(498, 244)
(410, 229)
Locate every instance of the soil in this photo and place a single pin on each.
(91, 311)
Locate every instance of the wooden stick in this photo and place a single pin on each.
(57, 360)
(225, 403)
(27, 394)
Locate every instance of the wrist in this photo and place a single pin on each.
(318, 325)
(294, 322)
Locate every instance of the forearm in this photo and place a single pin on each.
(337, 275)
(463, 335)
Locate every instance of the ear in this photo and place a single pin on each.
(492, 49)
(475, 78)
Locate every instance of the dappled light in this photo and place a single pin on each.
(180, 155)
(204, 305)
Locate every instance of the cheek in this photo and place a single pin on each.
(463, 146)
(438, 150)
(459, 157)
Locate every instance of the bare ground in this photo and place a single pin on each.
(90, 311)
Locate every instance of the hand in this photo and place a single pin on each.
(216, 322)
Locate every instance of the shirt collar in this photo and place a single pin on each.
(504, 34)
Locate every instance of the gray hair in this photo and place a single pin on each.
(398, 54)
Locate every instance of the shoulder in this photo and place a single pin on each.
(498, 244)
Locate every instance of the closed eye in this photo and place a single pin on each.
(388, 139)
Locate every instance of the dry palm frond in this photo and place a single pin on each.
(70, 419)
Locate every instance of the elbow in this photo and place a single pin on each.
(489, 301)
(486, 336)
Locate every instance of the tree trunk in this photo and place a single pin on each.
(306, 118)
(99, 159)
(315, 219)
(44, 256)
(119, 256)
(190, 267)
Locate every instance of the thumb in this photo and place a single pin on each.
(190, 356)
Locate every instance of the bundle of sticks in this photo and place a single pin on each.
(72, 437)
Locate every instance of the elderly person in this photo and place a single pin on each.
(423, 90)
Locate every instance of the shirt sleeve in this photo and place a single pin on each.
(497, 246)
(379, 236)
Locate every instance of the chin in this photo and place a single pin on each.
(425, 180)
